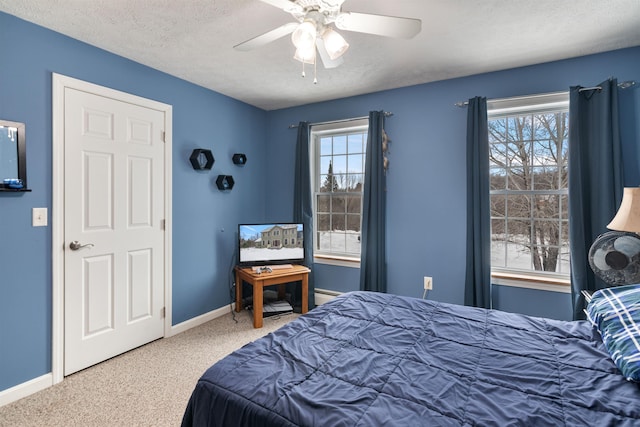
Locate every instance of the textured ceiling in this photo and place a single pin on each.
(194, 39)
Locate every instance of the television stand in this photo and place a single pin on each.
(280, 277)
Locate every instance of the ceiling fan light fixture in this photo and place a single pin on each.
(304, 37)
(311, 35)
(335, 44)
(306, 55)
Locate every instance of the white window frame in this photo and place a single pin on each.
(535, 104)
(317, 132)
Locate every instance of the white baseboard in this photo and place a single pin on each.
(25, 389)
(197, 321)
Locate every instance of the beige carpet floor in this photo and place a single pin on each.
(148, 386)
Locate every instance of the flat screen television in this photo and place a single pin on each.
(270, 244)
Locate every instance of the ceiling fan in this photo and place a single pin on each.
(313, 31)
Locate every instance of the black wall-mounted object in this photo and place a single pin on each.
(239, 159)
(201, 159)
(225, 182)
(13, 156)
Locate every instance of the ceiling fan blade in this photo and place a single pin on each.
(324, 55)
(267, 37)
(388, 26)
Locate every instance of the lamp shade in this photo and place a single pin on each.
(628, 216)
(335, 44)
(304, 36)
(307, 55)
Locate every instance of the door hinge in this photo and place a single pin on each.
(163, 312)
(162, 136)
(162, 224)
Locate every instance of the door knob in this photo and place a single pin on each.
(75, 245)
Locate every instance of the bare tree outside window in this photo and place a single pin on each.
(528, 159)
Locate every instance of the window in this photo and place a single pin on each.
(528, 167)
(338, 179)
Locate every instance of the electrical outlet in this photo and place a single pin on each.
(428, 283)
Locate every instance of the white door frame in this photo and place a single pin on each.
(59, 83)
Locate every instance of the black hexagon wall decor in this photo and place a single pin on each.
(201, 159)
(225, 182)
(239, 159)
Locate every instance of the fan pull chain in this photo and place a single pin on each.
(315, 72)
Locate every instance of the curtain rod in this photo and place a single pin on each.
(386, 114)
(623, 85)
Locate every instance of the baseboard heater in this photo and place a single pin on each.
(325, 295)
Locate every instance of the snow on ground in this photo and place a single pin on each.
(520, 258)
(340, 241)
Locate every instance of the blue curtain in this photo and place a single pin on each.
(302, 207)
(373, 264)
(477, 291)
(595, 178)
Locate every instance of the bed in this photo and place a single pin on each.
(371, 359)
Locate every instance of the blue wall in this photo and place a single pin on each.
(202, 251)
(426, 202)
(426, 208)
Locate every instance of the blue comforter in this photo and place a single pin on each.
(370, 359)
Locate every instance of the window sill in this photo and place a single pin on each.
(336, 260)
(541, 283)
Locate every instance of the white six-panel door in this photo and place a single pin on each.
(113, 204)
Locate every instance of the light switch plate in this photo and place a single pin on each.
(39, 217)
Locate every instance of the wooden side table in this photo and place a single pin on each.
(280, 277)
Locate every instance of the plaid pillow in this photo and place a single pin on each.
(615, 312)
